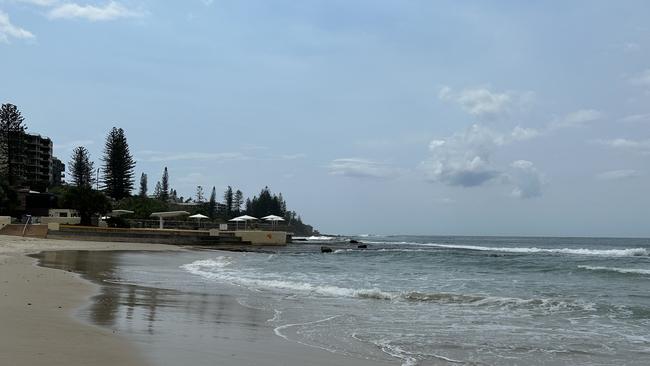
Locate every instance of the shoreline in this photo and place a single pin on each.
(37, 306)
(54, 330)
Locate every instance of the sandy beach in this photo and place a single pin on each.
(37, 305)
(43, 321)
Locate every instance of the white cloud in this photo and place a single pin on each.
(627, 144)
(361, 168)
(631, 47)
(43, 3)
(481, 102)
(618, 174)
(111, 11)
(527, 180)
(642, 78)
(636, 118)
(156, 156)
(465, 160)
(9, 30)
(577, 118)
(72, 144)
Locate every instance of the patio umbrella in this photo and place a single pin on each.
(236, 220)
(273, 218)
(244, 218)
(198, 218)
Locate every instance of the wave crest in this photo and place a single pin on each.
(617, 270)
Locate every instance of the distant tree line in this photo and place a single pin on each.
(94, 191)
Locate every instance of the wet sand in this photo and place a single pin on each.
(75, 322)
(37, 307)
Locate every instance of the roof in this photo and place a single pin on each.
(169, 214)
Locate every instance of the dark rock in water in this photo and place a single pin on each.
(362, 246)
(325, 250)
(496, 255)
(354, 241)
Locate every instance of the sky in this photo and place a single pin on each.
(371, 117)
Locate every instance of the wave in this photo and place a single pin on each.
(618, 270)
(205, 269)
(214, 270)
(320, 238)
(628, 252)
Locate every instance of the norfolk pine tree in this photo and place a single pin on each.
(118, 165)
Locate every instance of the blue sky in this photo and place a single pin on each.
(416, 117)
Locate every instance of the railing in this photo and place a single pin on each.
(29, 219)
(204, 225)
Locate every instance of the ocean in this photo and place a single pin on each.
(418, 300)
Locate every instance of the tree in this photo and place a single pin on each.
(164, 186)
(212, 204)
(8, 197)
(200, 198)
(266, 204)
(227, 200)
(86, 201)
(118, 165)
(143, 185)
(81, 168)
(157, 192)
(12, 136)
(237, 202)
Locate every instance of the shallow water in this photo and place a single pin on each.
(433, 300)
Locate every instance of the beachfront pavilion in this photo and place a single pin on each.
(163, 215)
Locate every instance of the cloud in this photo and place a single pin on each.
(72, 144)
(627, 144)
(631, 47)
(43, 3)
(642, 78)
(636, 118)
(527, 180)
(9, 30)
(577, 118)
(156, 156)
(110, 11)
(618, 174)
(465, 160)
(481, 102)
(361, 168)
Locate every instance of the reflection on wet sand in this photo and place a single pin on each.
(138, 309)
(201, 327)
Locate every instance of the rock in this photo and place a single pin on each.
(362, 246)
(325, 250)
(354, 242)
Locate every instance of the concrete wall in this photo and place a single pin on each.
(4, 221)
(263, 237)
(61, 220)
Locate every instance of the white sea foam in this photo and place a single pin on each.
(213, 269)
(628, 252)
(619, 270)
(320, 238)
(217, 269)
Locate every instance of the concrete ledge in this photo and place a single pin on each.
(262, 237)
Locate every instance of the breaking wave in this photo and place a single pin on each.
(215, 270)
(629, 252)
(618, 270)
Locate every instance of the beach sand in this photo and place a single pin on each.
(37, 326)
(40, 323)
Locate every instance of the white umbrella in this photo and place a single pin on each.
(273, 218)
(244, 218)
(198, 218)
(236, 220)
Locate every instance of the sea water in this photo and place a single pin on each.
(437, 300)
